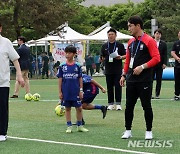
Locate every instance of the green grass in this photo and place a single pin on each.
(37, 120)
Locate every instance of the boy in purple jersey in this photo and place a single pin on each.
(71, 88)
(91, 89)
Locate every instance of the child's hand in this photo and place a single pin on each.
(81, 95)
(103, 90)
(60, 96)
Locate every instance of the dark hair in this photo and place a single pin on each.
(22, 38)
(0, 24)
(70, 48)
(112, 30)
(136, 20)
(158, 30)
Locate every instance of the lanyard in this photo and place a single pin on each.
(136, 47)
(113, 49)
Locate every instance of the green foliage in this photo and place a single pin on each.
(35, 18)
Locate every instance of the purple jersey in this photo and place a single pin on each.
(89, 88)
(70, 75)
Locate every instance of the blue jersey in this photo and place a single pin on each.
(70, 75)
(89, 88)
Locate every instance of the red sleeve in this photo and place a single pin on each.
(127, 61)
(154, 53)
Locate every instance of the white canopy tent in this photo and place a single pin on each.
(66, 34)
(102, 35)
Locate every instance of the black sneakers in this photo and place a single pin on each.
(104, 111)
(14, 96)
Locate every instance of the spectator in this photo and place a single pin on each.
(113, 68)
(89, 62)
(24, 61)
(176, 55)
(158, 69)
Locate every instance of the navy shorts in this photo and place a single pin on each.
(89, 99)
(72, 103)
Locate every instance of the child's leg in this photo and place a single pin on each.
(80, 128)
(87, 106)
(68, 116)
(79, 115)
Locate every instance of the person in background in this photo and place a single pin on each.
(175, 53)
(24, 61)
(45, 65)
(158, 69)
(97, 62)
(141, 56)
(113, 68)
(89, 62)
(71, 88)
(7, 53)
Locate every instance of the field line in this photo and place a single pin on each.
(56, 100)
(80, 145)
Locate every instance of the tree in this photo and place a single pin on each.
(35, 18)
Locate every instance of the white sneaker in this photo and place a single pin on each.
(111, 107)
(148, 135)
(127, 134)
(3, 138)
(118, 107)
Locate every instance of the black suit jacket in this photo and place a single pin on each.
(24, 60)
(163, 53)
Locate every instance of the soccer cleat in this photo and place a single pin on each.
(3, 138)
(110, 107)
(127, 134)
(148, 135)
(176, 98)
(104, 111)
(81, 129)
(14, 96)
(69, 129)
(118, 107)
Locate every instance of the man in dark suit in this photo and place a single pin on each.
(24, 61)
(158, 69)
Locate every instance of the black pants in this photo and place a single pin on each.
(4, 107)
(177, 80)
(158, 72)
(97, 67)
(112, 80)
(45, 71)
(89, 68)
(135, 90)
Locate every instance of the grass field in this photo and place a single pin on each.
(36, 120)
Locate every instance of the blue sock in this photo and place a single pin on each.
(69, 123)
(79, 123)
(98, 107)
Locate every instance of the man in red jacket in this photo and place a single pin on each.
(142, 54)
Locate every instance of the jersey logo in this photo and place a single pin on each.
(64, 68)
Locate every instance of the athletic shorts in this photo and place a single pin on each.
(75, 104)
(88, 99)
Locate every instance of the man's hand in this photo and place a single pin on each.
(163, 66)
(137, 70)
(20, 80)
(122, 81)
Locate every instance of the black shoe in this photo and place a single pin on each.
(14, 96)
(83, 122)
(104, 111)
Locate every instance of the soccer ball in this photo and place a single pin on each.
(28, 97)
(36, 97)
(60, 110)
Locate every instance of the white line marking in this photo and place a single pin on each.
(80, 145)
(56, 100)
